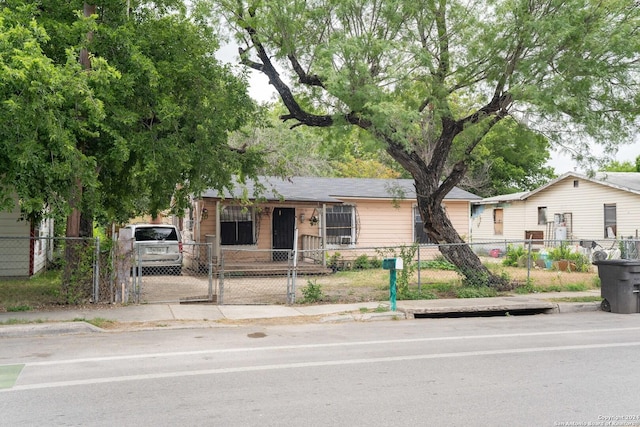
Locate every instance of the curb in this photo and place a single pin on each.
(57, 328)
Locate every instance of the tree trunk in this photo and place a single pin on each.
(79, 224)
(455, 250)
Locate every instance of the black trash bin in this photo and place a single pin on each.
(620, 285)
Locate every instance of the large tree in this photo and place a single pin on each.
(143, 129)
(510, 158)
(397, 69)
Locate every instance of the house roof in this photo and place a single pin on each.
(332, 190)
(625, 181)
(504, 198)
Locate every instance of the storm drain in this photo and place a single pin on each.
(484, 313)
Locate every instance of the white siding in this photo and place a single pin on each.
(513, 224)
(14, 244)
(585, 202)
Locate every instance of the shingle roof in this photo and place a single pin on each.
(625, 181)
(331, 190)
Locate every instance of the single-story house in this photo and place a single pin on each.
(571, 207)
(25, 247)
(327, 213)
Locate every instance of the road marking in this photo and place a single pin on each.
(9, 374)
(299, 365)
(313, 346)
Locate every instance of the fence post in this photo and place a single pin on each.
(529, 262)
(96, 273)
(210, 258)
(419, 277)
(221, 279)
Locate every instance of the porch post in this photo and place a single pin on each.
(216, 250)
(323, 234)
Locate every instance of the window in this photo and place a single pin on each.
(610, 222)
(236, 226)
(542, 215)
(341, 225)
(498, 215)
(576, 183)
(419, 235)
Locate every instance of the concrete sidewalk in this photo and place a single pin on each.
(49, 322)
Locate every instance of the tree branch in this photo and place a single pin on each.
(303, 77)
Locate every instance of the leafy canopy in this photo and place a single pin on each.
(142, 130)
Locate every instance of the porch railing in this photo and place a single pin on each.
(312, 248)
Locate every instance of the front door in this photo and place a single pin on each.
(282, 226)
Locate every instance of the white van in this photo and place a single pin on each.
(158, 245)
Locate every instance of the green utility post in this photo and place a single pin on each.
(392, 264)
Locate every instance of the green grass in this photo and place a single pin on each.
(25, 294)
(13, 321)
(577, 299)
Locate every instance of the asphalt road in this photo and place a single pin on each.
(544, 370)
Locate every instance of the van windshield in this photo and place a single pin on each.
(155, 233)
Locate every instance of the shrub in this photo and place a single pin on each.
(514, 253)
(312, 292)
(362, 262)
(565, 252)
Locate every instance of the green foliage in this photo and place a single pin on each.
(77, 272)
(563, 251)
(312, 292)
(335, 261)
(578, 261)
(143, 130)
(526, 288)
(429, 83)
(625, 166)
(576, 287)
(362, 262)
(512, 255)
(17, 308)
(36, 291)
(439, 263)
(517, 157)
(476, 292)
(414, 294)
(407, 254)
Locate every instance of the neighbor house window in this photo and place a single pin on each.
(498, 215)
(542, 215)
(341, 225)
(610, 221)
(419, 235)
(236, 226)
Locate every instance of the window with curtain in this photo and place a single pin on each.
(610, 221)
(236, 226)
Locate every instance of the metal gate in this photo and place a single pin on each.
(194, 281)
(253, 277)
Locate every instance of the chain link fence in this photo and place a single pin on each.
(153, 282)
(95, 271)
(77, 261)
